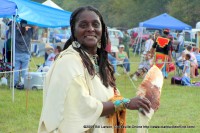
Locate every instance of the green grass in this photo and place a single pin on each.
(179, 106)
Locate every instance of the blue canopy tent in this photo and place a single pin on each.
(161, 22)
(41, 15)
(165, 21)
(7, 8)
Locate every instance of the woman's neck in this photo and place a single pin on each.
(91, 51)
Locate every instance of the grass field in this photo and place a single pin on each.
(180, 106)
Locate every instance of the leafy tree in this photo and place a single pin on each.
(129, 13)
(188, 10)
(59, 2)
(70, 5)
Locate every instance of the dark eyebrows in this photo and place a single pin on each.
(85, 21)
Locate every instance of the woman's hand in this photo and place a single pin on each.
(139, 103)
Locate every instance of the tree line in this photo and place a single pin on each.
(128, 13)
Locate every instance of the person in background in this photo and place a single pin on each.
(186, 68)
(111, 58)
(51, 55)
(193, 60)
(155, 35)
(24, 33)
(180, 46)
(143, 68)
(7, 46)
(134, 34)
(44, 35)
(50, 58)
(122, 58)
(80, 90)
(162, 50)
(126, 40)
(57, 51)
(180, 61)
(149, 43)
(133, 38)
(197, 55)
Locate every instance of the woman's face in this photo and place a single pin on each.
(121, 49)
(88, 29)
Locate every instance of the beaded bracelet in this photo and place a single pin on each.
(126, 102)
(121, 104)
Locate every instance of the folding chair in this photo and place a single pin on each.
(120, 64)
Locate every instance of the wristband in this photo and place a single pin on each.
(121, 104)
(126, 102)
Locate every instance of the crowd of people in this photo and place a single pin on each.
(163, 50)
(164, 53)
(167, 51)
(22, 56)
(188, 55)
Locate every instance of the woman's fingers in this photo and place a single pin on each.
(144, 105)
(147, 102)
(141, 104)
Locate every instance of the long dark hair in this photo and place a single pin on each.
(106, 70)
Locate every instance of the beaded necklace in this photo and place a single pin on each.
(96, 66)
(75, 44)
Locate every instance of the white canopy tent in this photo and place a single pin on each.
(51, 4)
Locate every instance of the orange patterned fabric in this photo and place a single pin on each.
(160, 60)
(118, 119)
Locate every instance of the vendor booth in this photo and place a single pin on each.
(35, 14)
(161, 22)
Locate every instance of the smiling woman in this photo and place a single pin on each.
(80, 93)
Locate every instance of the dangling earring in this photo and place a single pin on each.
(75, 44)
(99, 44)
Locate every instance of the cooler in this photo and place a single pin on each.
(34, 80)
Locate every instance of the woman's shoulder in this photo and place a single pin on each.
(69, 62)
(69, 51)
(69, 55)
